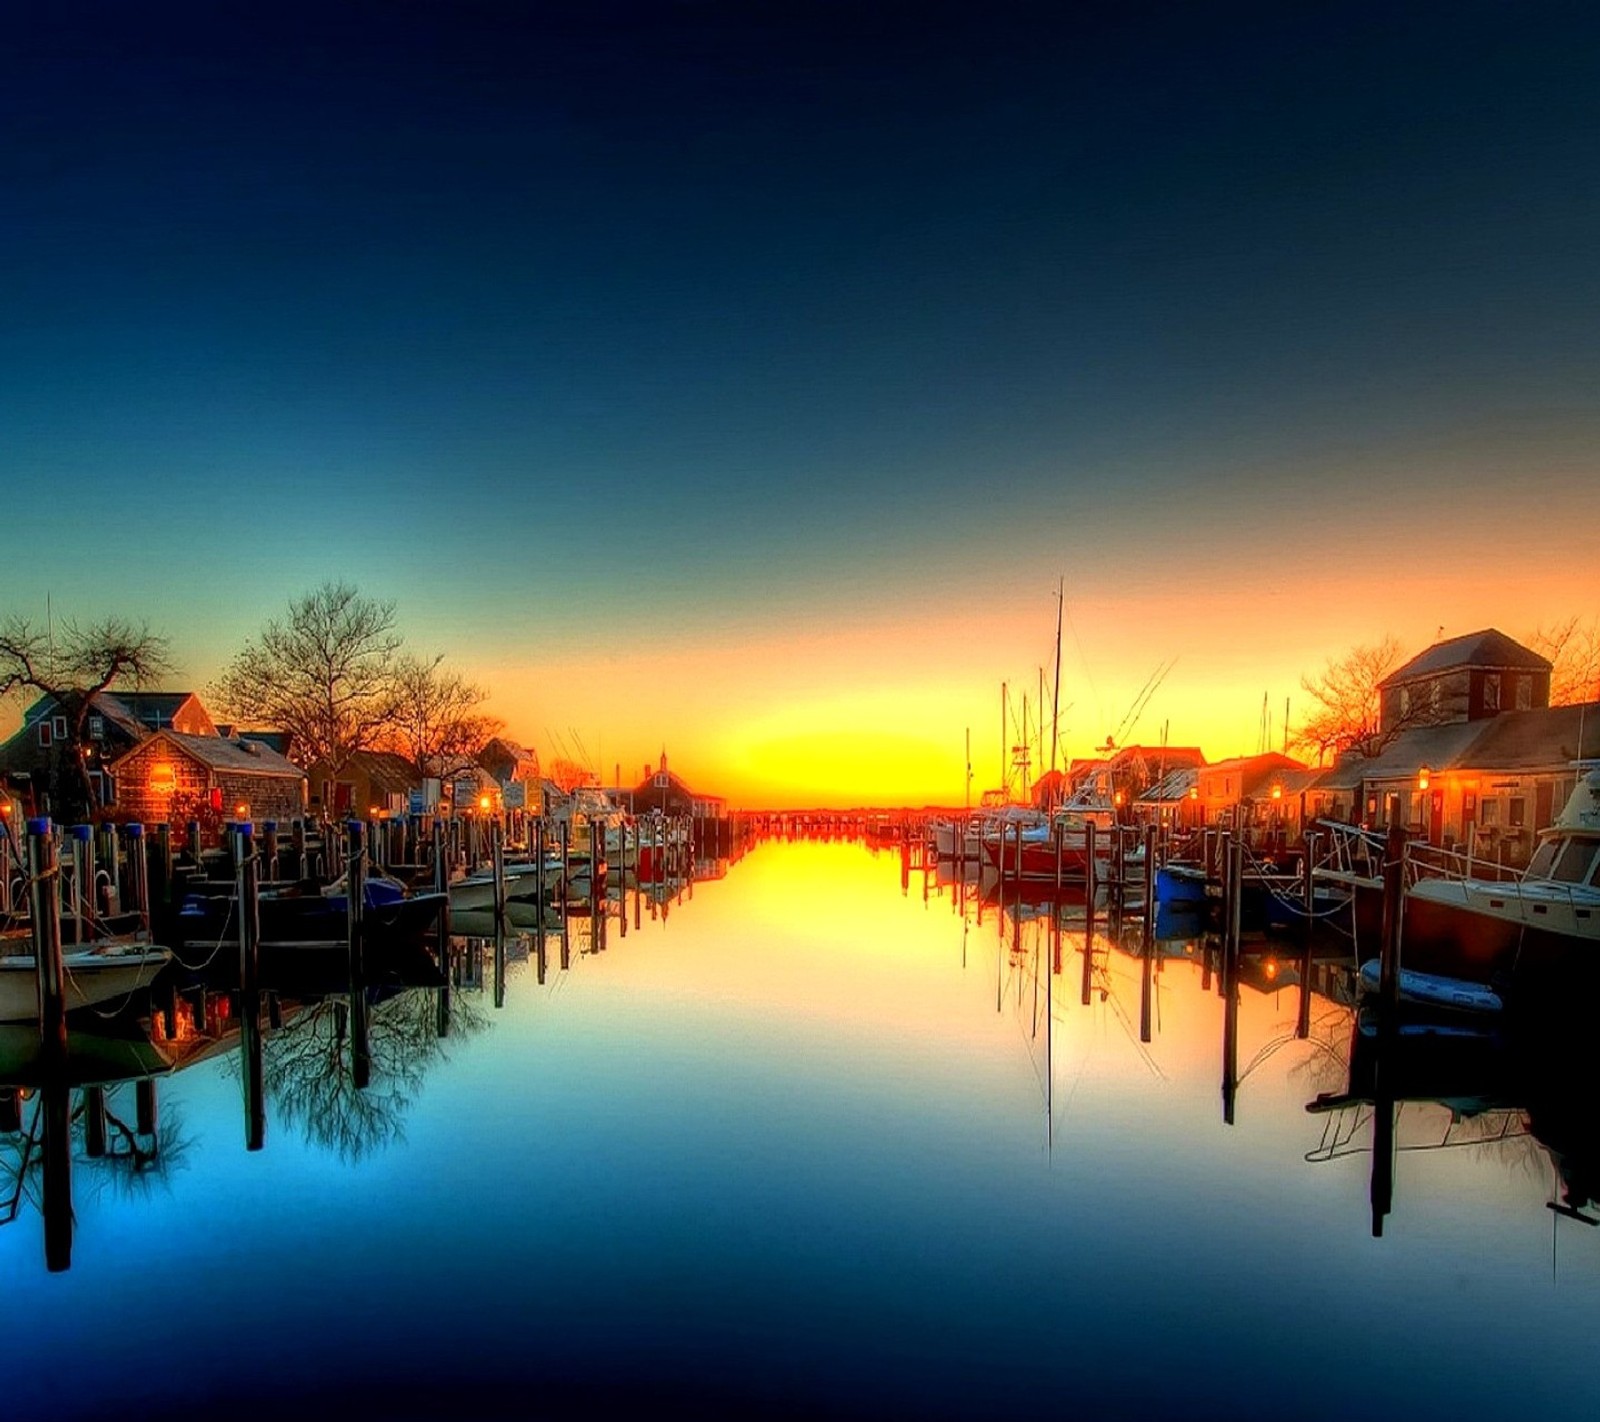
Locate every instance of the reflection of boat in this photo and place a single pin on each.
(91, 1058)
(93, 975)
(1267, 898)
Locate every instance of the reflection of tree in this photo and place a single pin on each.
(131, 1167)
(306, 1068)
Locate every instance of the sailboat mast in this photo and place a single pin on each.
(1055, 715)
(1005, 749)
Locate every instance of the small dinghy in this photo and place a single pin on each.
(1432, 990)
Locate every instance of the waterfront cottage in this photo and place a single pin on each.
(171, 776)
(368, 783)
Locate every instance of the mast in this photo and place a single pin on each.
(1005, 750)
(1055, 715)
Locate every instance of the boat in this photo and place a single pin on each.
(93, 975)
(303, 914)
(1434, 990)
(1544, 925)
(523, 880)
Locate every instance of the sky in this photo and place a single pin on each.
(741, 380)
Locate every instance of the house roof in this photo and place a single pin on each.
(1248, 764)
(1488, 648)
(1173, 786)
(386, 771)
(219, 753)
(152, 708)
(1545, 738)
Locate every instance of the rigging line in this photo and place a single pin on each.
(1088, 676)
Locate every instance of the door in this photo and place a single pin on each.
(1436, 818)
(1544, 798)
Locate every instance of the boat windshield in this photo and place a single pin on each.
(1563, 861)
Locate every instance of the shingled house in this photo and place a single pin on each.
(370, 782)
(1493, 763)
(170, 776)
(40, 760)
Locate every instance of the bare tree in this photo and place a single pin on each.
(75, 666)
(437, 725)
(1573, 648)
(327, 673)
(1346, 714)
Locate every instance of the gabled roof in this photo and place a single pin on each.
(152, 708)
(1489, 648)
(1172, 787)
(387, 772)
(219, 753)
(1543, 738)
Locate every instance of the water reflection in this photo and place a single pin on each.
(836, 1120)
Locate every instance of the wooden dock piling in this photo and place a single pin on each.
(44, 903)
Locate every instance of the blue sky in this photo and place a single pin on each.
(686, 320)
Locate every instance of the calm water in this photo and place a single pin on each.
(816, 1140)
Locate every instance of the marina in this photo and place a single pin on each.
(810, 1135)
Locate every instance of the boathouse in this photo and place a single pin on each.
(171, 776)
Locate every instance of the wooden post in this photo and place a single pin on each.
(1308, 903)
(192, 844)
(1090, 887)
(1230, 984)
(1394, 866)
(269, 851)
(246, 888)
(297, 842)
(79, 839)
(497, 852)
(138, 873)
(566, 862)
(356, 898)
(44, 904)
(106, 852)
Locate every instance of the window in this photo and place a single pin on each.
(1489, 810)
(1469, 807)
(1405, 702)
(661, 782)
(1572, 861)
(97, 727)
(1516, 811)
(1524, 693)
(59, 726)
(1491, 692)
(1435, 696)
(44, 732)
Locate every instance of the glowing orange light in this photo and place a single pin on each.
(1422, 778)
(1271, 969)
(483, 802)
(163, 777)
(1117, 798)
(241, 811)
(1277, 792)
(1194, 792)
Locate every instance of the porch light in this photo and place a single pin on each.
(1277, 792)
(1422, 778)
(483, 803)
(241, 811)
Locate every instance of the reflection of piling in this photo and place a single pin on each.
(255, 1108)
(1384, 1107)
(55, 1102)
(499, 963)
(566, 862)
(44, 904)
(144, 1105)
(10, 1111)
(94, 1122)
